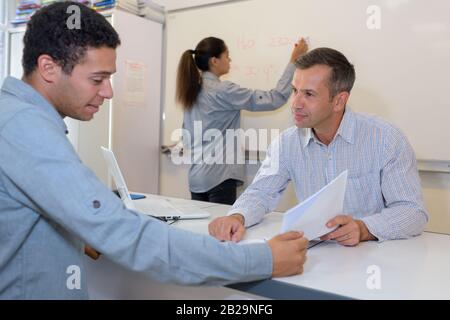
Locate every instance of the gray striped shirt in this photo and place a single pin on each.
(383, 188)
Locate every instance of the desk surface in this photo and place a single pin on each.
(417, 268)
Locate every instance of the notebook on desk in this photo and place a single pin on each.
(161, 208)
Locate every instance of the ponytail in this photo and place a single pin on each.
(189, 81)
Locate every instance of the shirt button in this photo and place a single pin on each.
(96, 204)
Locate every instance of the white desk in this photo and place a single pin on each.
(417, 268)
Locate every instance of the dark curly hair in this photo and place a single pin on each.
(47, 33)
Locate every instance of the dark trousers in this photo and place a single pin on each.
(224, 193)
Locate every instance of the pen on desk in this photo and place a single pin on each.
(167, 218)
(172, 217)
(314, 243)
(174, 220)
(162, 218)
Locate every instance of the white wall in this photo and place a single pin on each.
(436, 192)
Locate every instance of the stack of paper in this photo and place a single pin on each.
(25, 9)
(105, 7)
(129, 5)
(47, 2)
(312, 215)
(143, 8)
(85, 2)
(151, 10)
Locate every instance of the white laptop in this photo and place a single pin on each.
(164, 209)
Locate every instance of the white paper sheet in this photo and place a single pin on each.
(311, 215)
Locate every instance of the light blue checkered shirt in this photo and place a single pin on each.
(383, 187)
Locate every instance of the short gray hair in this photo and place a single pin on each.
(342, 75)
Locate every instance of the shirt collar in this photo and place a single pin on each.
(27, 93)
(210, 76)
(347, 127)
(346, 130)
(306, 135)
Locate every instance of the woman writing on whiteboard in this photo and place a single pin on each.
(212, 107)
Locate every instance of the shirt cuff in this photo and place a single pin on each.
(260, 261)
(376, 227)
(249, 220)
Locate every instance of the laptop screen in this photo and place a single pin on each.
(156, 207)
(119, 181)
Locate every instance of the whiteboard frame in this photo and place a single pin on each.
(433, 166)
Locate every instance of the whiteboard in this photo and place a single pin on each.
(402, 68)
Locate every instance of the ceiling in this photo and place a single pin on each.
(180, 4)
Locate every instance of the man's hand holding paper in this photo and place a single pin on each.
(312, 215)
(321, 216)
(349, 231)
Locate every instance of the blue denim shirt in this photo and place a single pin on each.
(51, 205)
